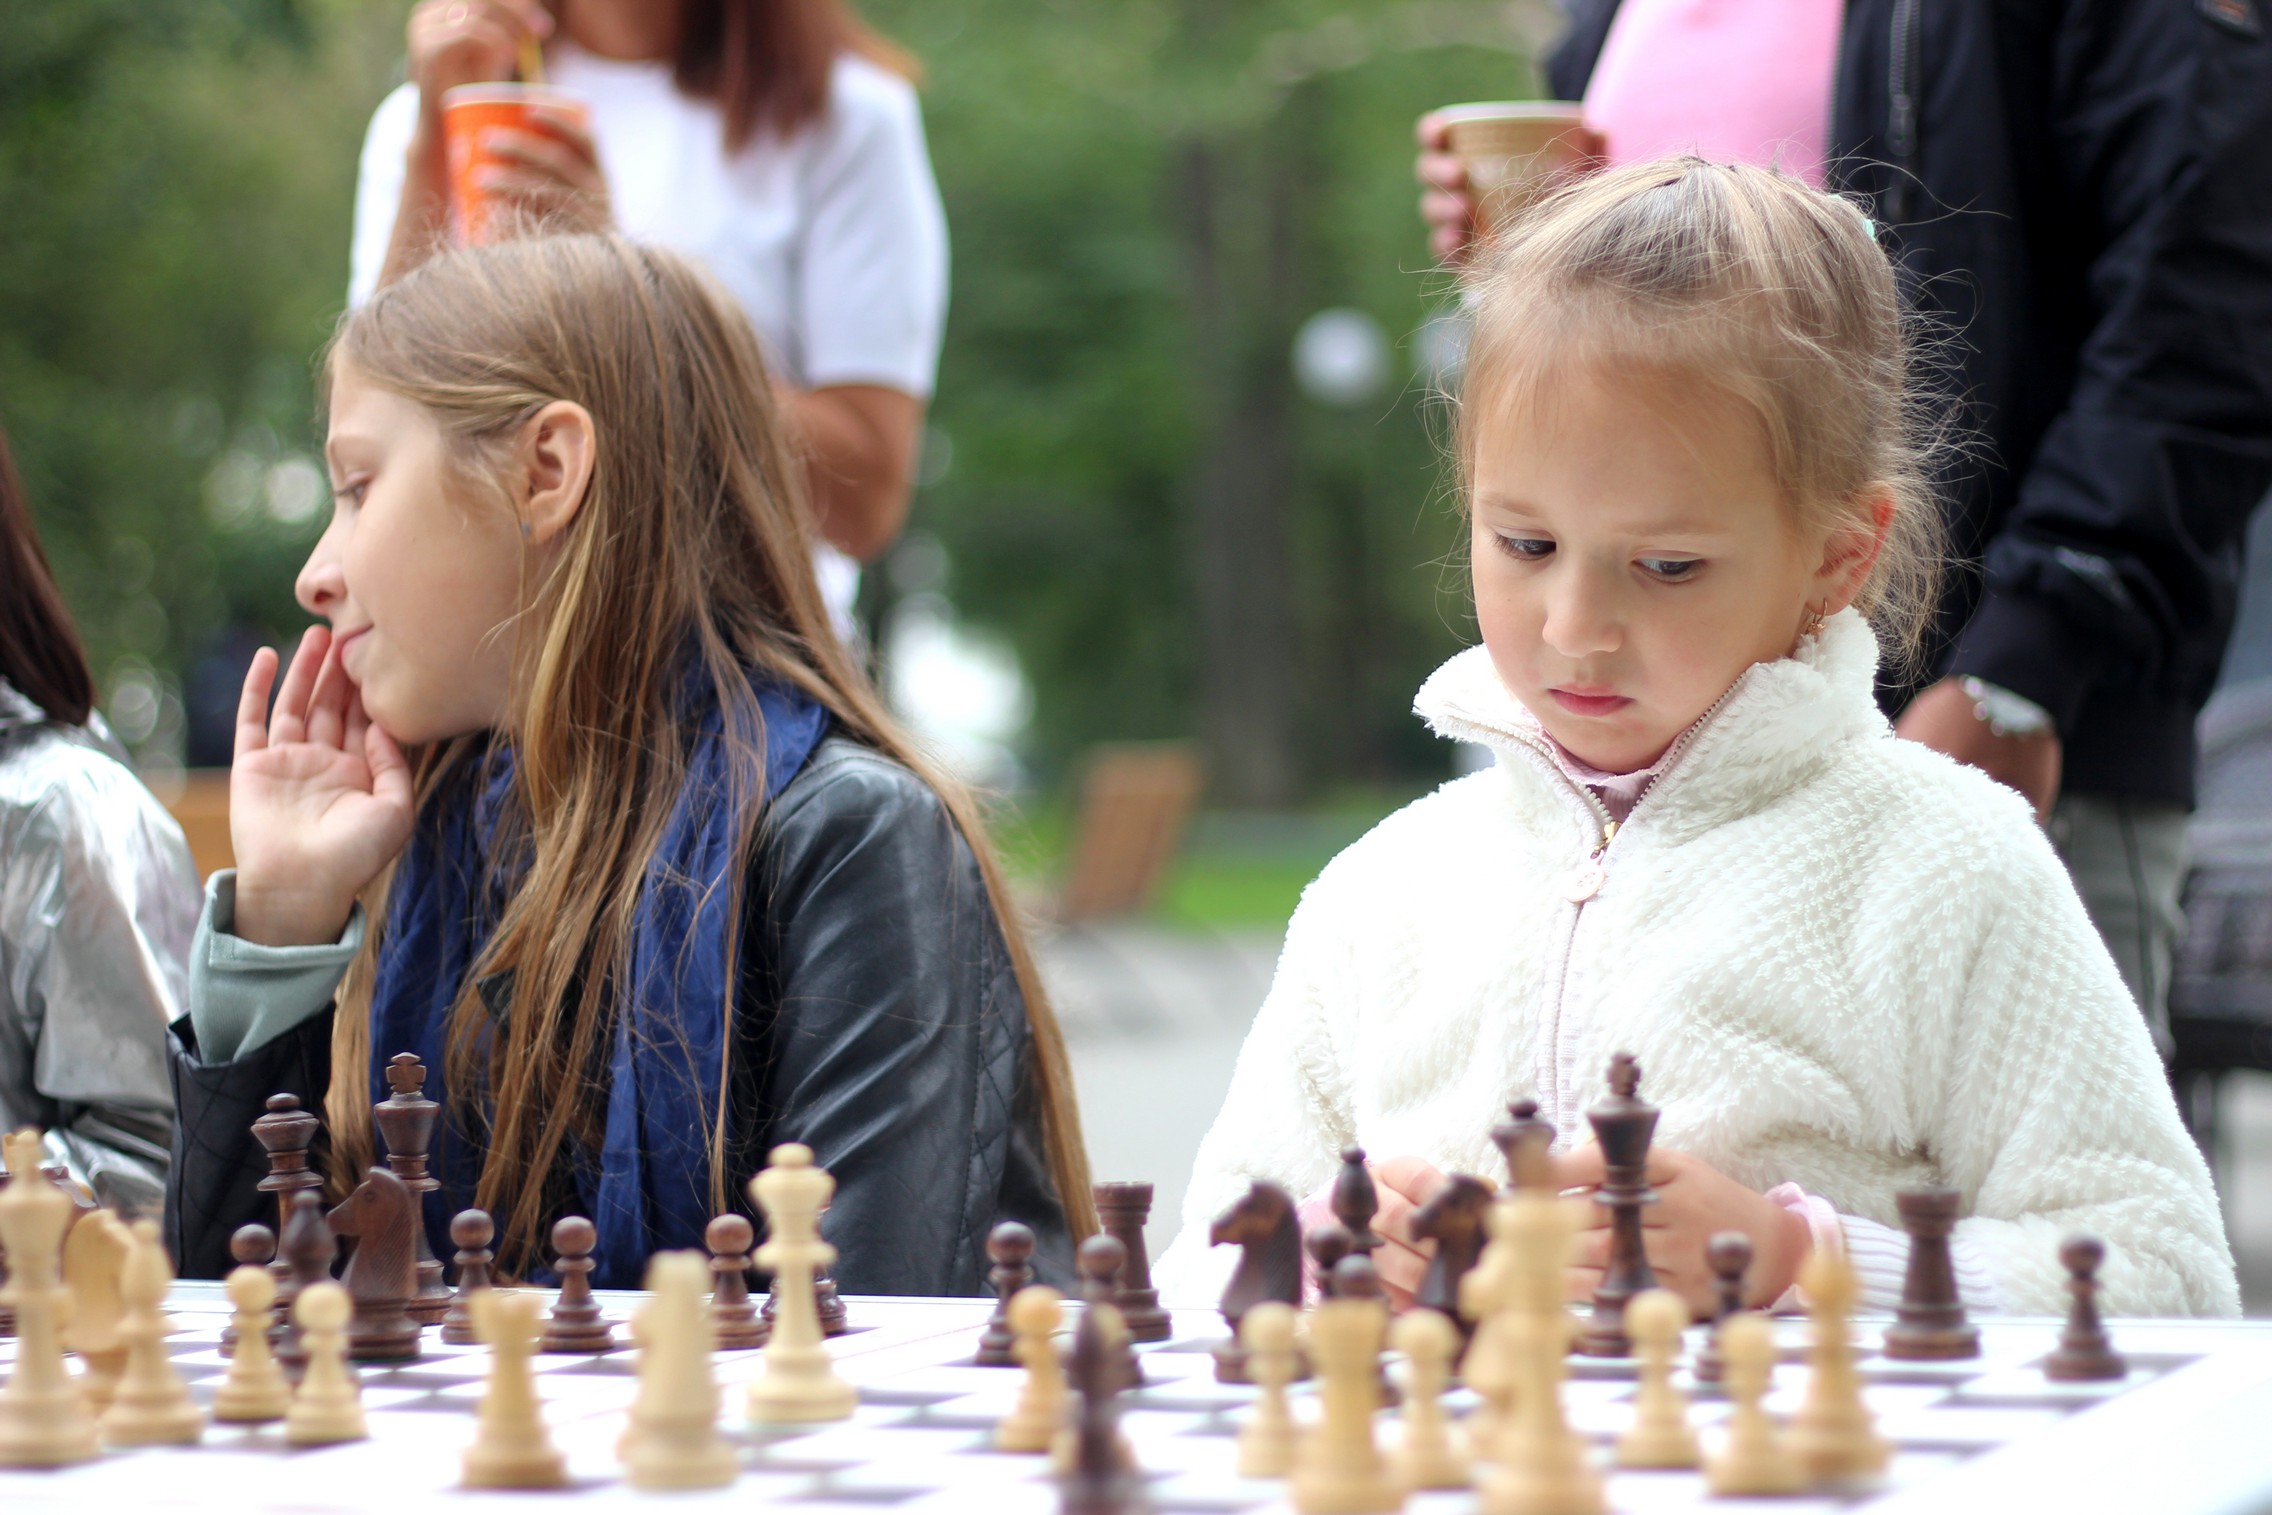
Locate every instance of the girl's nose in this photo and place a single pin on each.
(1581, 617)
(321, 588)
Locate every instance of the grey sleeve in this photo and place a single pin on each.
(243, 995)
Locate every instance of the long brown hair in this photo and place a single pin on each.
(694, 525)
(767, 62)
(39, 647)
(1728, 277)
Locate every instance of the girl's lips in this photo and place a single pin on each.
(340, 647)
(1589, 704)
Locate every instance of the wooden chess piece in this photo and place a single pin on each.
(1833, 1435)
(94, 1273)
(306, 1249)
(1356, 1201)
(1487, 1301)
(44, 1420)
(1930, 1324)
(1268, 1235)
(673, 1440)
(328, 1406)
(1523, 1139)
(255, 1390)
(152, 1406)
(406, 1120)
(512, 1447)
(1101, 1479)
(828, 1307)
(1266, 1441)
(1752, 1460)
(800, 1382)
(1338, 1469)
(1009, 1248)
(1328, 1242)
(287, 1133)
(1431, 1455)
(1728, 1254)
(734, 1325)
(1660, 1436)
(1102, 1263)
(575, 1324)
(1623, 1124)
(1123, 1208)
(251, 1245)
(1034, 1423)
(1540, 1463)
(1453, 1218)
(382, 1274)
(2085, 1354)
(471, 1232)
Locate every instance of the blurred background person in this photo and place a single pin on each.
(779, 142)
(2080, 199)
(97, 900)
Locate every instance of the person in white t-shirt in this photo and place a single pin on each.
(779, 142)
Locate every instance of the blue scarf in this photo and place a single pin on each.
(647, 1187)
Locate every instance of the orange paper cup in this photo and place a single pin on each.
(1515, 150)
(471, 111)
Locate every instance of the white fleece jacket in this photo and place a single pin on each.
(1843, 960)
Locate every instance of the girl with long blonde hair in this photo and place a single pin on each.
(653, 880)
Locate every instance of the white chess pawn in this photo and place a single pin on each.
(329, 1404)
(799, 1382)
(1660, 1436)
(1832, 1434)
(674, 1441)
(43, 1415)
(1431, 1455)
(1338, 1469)
(152, 1406)
(512, 1447)
(1040, 1414)
(255, 1390)
(1752, 1460)
(1266, 1441)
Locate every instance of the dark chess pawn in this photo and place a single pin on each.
(1523, 1139)
(306, 1249)
(1454, 1219)
(733, 1315)
(471, 1231)
(286, 1133)
(1102, 1261)
(575, 1324)
(1009, 1247)
(1100, 1480)
(1930, 1324)
(406, 1120)
(2084, 1354)
(1728, 1254)
(1123, 1208)
(252, 1246)
(828, 1305)
(1328, 1243)
(1356, 1201)
(1623, 1123)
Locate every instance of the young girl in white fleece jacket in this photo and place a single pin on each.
(1847, 965)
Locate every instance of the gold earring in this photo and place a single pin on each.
(1813, 622)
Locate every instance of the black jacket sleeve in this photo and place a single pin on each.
(212, 1186)
(889, 1033)
(2115, 565)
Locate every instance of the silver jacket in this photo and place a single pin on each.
(98, 904)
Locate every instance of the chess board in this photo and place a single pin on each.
(2189, 1431)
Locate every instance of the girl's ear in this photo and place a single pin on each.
(1851, 550)
(556, 454)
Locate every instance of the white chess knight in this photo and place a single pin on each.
(800, 1382)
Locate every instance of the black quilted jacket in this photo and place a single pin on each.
(2083, 189)
(882, 1026)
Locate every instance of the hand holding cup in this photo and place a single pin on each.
(1478, 164)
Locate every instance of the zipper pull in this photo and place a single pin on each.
(1586, 882)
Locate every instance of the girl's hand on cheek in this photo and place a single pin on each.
(319, 799)
(1694, 1203)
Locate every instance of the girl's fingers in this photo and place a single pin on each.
(567, 130)
(290, 721)
(252, 704)
(327, 706)
(1445, 172)
(540, 152)
(390, 771)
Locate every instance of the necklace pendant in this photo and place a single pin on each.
(1585, 883)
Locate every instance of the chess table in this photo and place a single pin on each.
(2189, 1432)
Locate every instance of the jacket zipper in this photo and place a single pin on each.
(1901, 108)
(1594, 873)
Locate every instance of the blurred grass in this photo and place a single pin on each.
(1237, 870)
